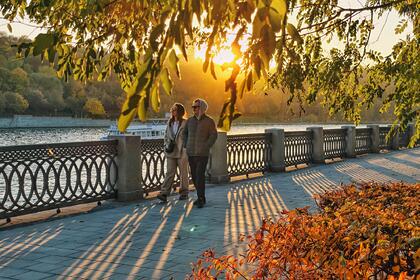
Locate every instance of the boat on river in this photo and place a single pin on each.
(152, 129)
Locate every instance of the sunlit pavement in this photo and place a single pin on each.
(149, 240)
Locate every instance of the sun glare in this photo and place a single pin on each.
(223, 54)
(220, 57)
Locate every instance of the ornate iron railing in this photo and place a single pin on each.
(383, 143)
(363, 140)
(334, 143)
(153, 165)
(48, 176)
(248, 153)
(297, 147)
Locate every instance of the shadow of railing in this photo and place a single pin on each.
(159, 241)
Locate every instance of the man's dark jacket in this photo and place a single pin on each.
(199, 135)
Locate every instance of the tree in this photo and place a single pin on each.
(15, 103)
(94, 107)
(138, 41)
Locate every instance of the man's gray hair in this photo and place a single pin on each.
(203, 105)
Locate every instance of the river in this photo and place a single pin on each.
(28, 136)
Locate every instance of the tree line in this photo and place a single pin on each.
(30, 86)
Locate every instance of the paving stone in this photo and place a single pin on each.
(11, 271)
(32, 275)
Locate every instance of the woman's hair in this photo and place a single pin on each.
(180, 111)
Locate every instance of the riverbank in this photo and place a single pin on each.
(28, 121)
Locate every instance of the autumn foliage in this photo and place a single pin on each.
(369, 231)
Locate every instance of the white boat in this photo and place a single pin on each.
(153, 129)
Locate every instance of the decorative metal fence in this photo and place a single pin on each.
(383, 143)
(153, 165)
(334, 143)
(48, 176)
(363, 140)
(248, 153)
(297, 147)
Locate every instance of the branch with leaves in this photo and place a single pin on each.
(142, 42)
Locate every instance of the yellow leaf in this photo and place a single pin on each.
(242, 88)
(124, 120)
(249, 81)
(166, 81)
(173, 63)
(141, 109)
(280, 6)
(155, 98)
(212, 71)
(258, 23)
(277, 12)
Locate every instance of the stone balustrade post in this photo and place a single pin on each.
(318, 155)
(395, 138)
(411, 131)
(350, 140)
(375, 138)
(219, 167)
(129, 186)
(277, 162)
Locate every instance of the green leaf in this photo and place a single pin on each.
(291, 29)
(42, 42)
(9, 27)
(166, 81)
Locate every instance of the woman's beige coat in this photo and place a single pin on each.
(179, 140)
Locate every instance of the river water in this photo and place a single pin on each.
(10, 137)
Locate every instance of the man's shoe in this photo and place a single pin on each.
(162, 197)
(200, 204)
(183, 197)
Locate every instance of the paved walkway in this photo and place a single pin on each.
(149, 240)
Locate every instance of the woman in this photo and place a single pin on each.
(176, 155)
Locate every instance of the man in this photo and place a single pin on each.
(199, 135)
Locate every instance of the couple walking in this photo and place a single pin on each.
(188, 141)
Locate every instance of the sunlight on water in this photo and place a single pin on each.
(27, 136)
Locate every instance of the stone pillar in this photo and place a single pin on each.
(350, 140)
(411, 131)
(318, 155)
(277, 163)
(129, 167)
(375, 138)
(219, 167)
(395, 138)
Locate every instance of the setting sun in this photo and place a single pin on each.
(223, 53)
(222, 56)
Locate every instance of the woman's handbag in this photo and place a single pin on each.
(170, 146)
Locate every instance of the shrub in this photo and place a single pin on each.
(369, 231)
